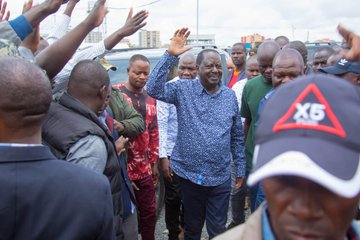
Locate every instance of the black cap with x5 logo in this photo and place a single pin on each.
(310, 128)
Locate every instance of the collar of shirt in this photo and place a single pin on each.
(266, 228)
(199, 88)
(236, 72)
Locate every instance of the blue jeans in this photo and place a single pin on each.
(204, 203)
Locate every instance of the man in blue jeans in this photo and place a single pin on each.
(209, 132)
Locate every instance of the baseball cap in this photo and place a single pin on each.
(8, 48)
(107, 65)
(342, 66)
(310, 128)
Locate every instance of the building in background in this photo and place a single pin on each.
(325, 40)
(252, 38)
(149, 39)
(202, 39)
(94, 36)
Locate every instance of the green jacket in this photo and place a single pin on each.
(124, 113)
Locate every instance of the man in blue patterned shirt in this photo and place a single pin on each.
(209, 131)
(168, 126)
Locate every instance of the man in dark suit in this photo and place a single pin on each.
(41, 197)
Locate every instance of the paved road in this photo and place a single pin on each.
(160, 227)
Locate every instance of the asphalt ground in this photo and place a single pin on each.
(160, 233)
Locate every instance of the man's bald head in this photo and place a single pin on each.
(288, 64)
(25, 99)
(300, 47)
(188, 57)
(89, 83)
(265, 56)
(252, 67)
(282, 41)
(86, 79)
(187, 66)
(289, 53)
(268, 47)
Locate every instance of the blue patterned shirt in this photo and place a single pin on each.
(168, 126)
(209, 127)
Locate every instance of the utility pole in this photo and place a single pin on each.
(308, 35)
(197, 22)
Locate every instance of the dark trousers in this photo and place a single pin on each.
(173, 214)
(145, 198)
(237, 198)
(204, 203)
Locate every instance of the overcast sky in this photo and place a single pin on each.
(230, 19)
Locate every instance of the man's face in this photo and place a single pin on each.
(187, 69)
(105, 101)
(210, 70)
(265, 66)
(320, 60)
(301, 209)
(285, 70)
(252, 69)
(138, 73)
(352, 77)
(238, 55)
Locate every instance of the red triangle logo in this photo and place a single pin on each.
(310, 115)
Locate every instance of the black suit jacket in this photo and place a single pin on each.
(44, 198)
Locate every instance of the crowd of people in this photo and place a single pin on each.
(80, 158)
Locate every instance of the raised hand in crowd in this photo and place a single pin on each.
(177, 44)
(353, 42)
(132, 24)
(38, 13)
(32, 41)
(3, 16)
(55, 57)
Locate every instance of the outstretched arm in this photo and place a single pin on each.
(132, 24)
(24, 24)
(353, 41)
(62, 23)
(54, 58)
(156, 86)
(38, 13)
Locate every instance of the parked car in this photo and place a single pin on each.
(120, 59)
(316, 46)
